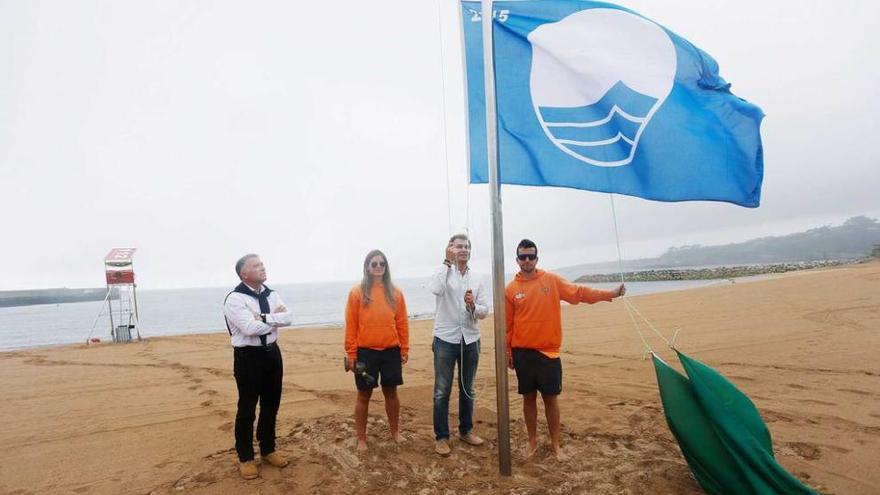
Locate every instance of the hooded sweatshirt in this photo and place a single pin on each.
(375, 326)
(532, 311)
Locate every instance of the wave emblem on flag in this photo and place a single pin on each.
(597, 78)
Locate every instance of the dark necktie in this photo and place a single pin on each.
(263, 299)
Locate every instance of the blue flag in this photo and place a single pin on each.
(594, 96)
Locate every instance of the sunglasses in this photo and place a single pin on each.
(523, 257)
(377, 264)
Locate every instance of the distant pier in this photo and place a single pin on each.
(15, 298)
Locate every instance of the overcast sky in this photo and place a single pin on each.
(311, 132)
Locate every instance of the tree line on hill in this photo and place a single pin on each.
(856, 238)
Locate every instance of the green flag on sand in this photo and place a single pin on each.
(721, 434)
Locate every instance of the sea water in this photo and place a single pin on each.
(189, 311)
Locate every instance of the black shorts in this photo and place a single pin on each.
(535, 371)
(382, 365)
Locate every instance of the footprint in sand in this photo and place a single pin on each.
(773, 416)
(198, 480)
(804, 450)
(740, 378)
(341, 456)
(854, 391)
(817, 401)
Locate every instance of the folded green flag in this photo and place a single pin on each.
(722, 436)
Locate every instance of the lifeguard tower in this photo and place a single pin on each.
(121, 300)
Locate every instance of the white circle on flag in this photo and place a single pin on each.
(598, 76)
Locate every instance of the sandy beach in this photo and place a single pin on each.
(157, 416)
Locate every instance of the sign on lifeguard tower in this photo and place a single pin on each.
(119, 266)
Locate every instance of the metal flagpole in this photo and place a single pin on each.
(497, 245)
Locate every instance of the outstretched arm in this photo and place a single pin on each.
(574, 293)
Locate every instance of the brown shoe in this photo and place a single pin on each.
(472, 439)
(442, 447)
(275, 459)
(248, 470)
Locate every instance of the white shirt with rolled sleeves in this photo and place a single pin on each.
(453, 320)
(240, 311)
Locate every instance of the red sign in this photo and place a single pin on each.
(120, 277)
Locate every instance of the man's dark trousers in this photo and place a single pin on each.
(258, 373)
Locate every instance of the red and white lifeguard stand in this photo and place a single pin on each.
(121, 299)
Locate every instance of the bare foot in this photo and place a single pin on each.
(361, 445)
(531, 449)
(558, 454)
(397, 438)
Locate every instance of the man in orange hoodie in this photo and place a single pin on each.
(534, 335)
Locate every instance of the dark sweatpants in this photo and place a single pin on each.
(258, 372)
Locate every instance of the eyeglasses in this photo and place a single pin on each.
(523, 257)
(377, 264)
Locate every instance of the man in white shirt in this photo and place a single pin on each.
(461, 301)
(253, 314)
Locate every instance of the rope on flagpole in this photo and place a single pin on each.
(630, 307)
(443, 119)
(467, 209)
(648, 349)
(627, 305)
(652, 327)
(617, 238)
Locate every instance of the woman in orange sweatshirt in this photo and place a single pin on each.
(376, 336)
